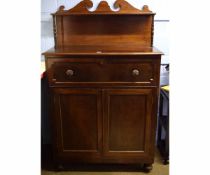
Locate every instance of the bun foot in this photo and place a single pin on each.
(147, 167)
(58, 167)
(165, 161)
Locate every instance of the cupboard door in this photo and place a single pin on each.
(78, 123)
(128, 123)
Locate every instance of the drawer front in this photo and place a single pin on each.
(65, 71)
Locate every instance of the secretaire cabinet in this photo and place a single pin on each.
(103, 76)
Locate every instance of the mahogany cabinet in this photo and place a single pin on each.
(104, 85)
(78, 117)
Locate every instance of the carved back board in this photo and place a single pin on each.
(127, 26)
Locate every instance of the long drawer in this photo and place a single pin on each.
(73, 71)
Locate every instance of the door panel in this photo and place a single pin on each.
(127, 121)
(78, 121)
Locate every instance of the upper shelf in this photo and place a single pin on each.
(122, 8)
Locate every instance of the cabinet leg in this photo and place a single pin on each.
(58, 167)
(147, 167)
(165, 161)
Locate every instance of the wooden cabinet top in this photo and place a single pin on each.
(125, 31)
(102, 50)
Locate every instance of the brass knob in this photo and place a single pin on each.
(70, 72)
(151, 79)
(135, 72)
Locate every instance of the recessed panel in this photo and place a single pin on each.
(78, 115)
(127, 122)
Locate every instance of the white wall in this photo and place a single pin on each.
(161, 25)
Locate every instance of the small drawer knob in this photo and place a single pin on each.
(70, 72)
(135, 72)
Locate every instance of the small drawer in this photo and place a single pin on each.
(100, 71)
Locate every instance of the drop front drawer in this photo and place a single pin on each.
(98, 70)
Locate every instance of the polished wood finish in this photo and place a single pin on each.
(122, 30)
(76, 27)
(120, 7)
(78, 118)
(102, 50)
(102, 70)
(127, 112)
(104, 85)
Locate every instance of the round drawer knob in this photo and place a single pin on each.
(135, 72)
(70, 72)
